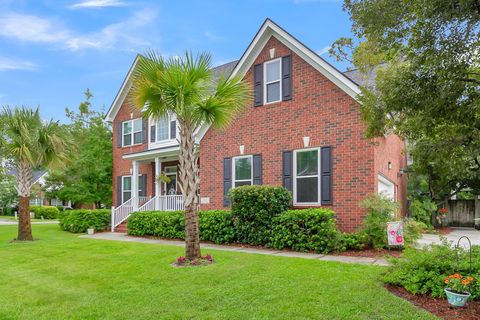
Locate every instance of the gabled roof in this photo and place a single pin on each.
(224, 69)
(270, 28)
(37, 175)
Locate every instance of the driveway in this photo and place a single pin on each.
(471, 233)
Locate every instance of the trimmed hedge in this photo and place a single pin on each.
(215, 225)
(301, 230)
(306, 230)
(47, 212)
(78, 221)
(254, 209)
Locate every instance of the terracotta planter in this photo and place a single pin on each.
(457, 299)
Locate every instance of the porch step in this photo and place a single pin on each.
(122, 227)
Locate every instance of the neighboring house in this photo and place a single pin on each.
(37, 197)
(303, 130)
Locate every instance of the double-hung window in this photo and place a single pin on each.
(163, 128)
(306, 185)
(127, 187)
(272, 81)
(242, 171)
(132, 132)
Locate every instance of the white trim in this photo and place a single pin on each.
(268, 29)
(166, 142)
(233, 170)
(295, 202)
(265, 83)
(131, 186)
(149, 154)
(132, 134)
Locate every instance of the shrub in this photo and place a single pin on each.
(60, 208)
(77, 221)
(423, 271)
(354, 241)
(422, 210)
(215, 225)
(380, 210)
(164, 224)
(305, 230)
(253, 210)
(47, 212)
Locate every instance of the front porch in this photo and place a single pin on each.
(155, 187)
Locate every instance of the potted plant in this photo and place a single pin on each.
(457, 290)
(442, 218)
(91, 230)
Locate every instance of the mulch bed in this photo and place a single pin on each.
(370, 253)
(439, 306)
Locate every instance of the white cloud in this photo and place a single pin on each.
(97, 4)
(15, 64)
(31, 28)
(323, 50)
(124, 34)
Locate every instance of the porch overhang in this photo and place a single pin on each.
(167, 153)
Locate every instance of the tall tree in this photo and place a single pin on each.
(184, 86)
(426, 57)
(30, 143)
(88, 177)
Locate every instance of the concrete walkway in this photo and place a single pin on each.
(116, 236)
(471, 233)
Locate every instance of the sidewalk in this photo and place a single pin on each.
(471, 233)
(322, 257)
(11, 223)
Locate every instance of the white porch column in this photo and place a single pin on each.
(158, 170)
(135, 185)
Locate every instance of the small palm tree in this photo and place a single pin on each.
(31, 144)
(185, 87)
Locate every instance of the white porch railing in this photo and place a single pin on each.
(171, 203)
(122, 212)
(161, 203)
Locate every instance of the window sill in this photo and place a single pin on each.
(132, 145)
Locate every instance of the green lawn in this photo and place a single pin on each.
(61, 276)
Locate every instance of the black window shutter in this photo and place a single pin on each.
(326, 175)
(173, 129)
(119, 190)
(287, 78)
(153, 131)
(257, 169)
(258, 84)
(144, 131)
(119, 134)
(287, 176)
(143, 185)
(227, 180)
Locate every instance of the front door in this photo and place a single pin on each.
(170, 187)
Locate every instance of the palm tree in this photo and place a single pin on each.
(185, 87)
(31, 144)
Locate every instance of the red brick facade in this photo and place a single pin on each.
(319, 109)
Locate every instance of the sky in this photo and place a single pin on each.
(52, 51)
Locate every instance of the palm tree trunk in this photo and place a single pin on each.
(24, 225)
(189, 183)
(24, 185)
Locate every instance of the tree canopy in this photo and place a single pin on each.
(426, 57)
(88, 177)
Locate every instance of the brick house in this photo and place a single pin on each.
(303, 130)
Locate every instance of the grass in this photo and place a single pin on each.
(62, 276)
